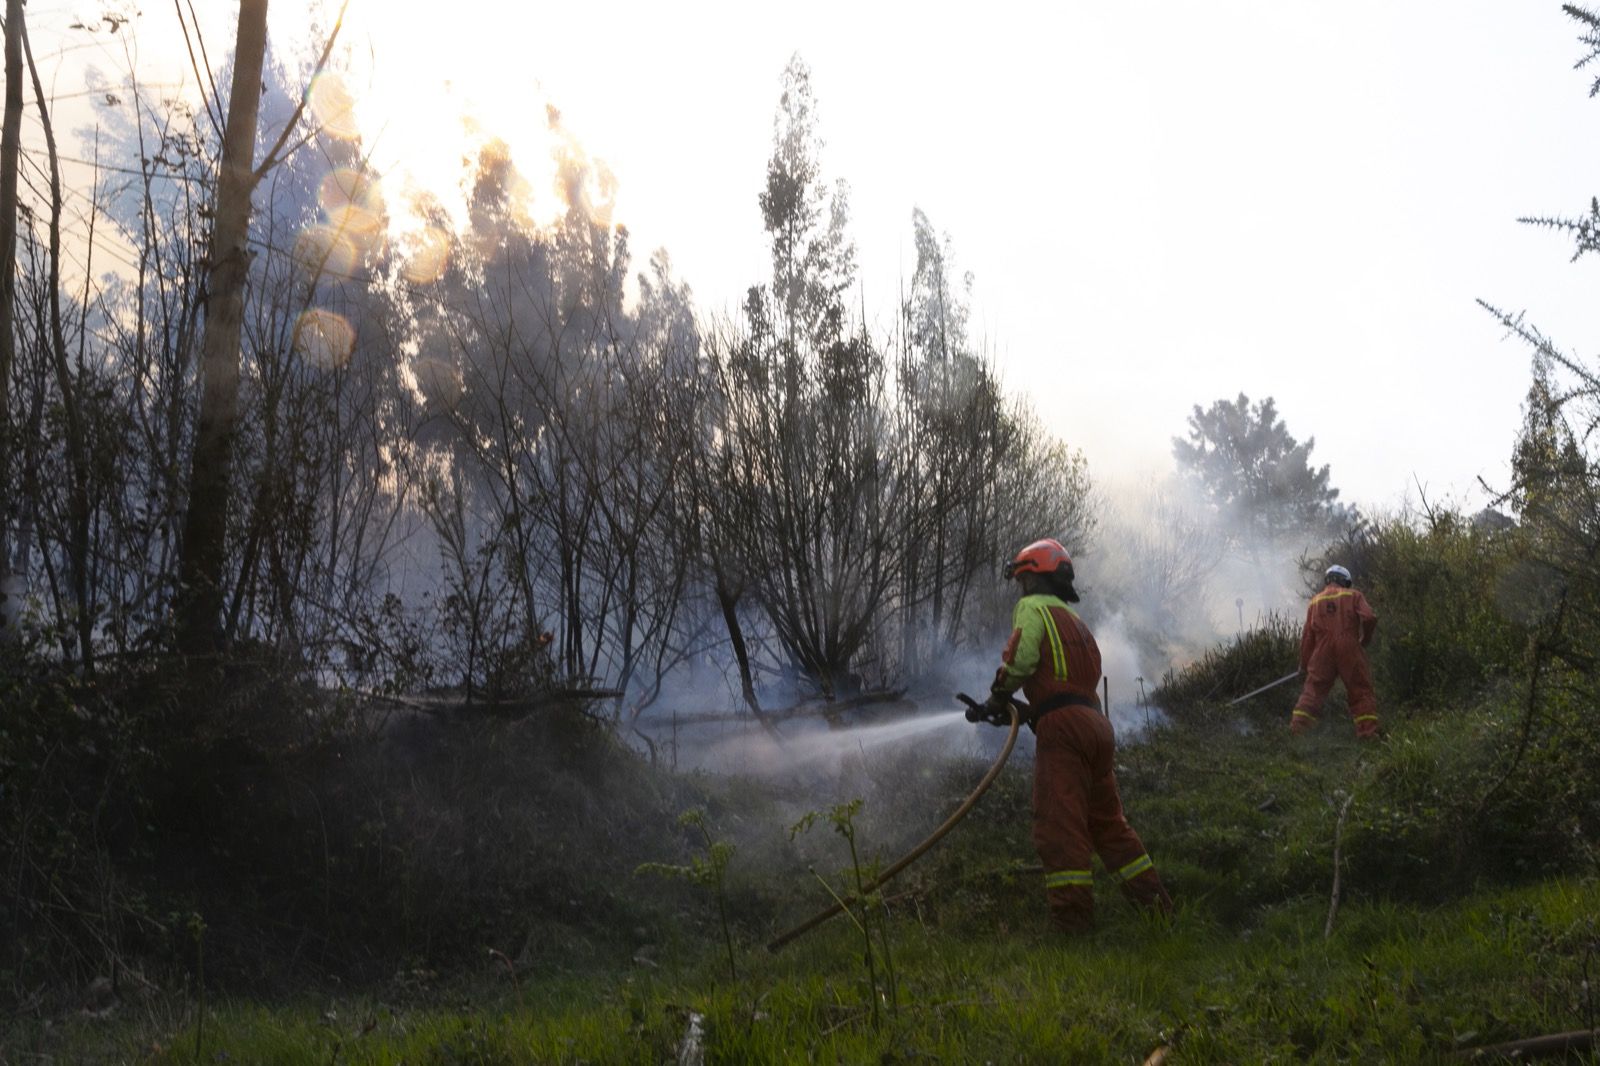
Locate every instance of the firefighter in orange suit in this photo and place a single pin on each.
(1339, 626)
(1077, 812)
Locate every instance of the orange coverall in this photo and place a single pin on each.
(1076, 808)
(1339, 625)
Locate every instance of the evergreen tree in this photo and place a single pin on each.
(1546, 462)
(1258, 477)
(813, 258)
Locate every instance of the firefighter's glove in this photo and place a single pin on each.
(997, 709)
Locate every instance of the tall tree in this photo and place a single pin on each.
(1547, 464)
(955, 431)
(813, 258)
(809, 479)
(1259, 478)
(205, 526)
(10, 141)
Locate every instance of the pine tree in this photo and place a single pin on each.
(1257, 476)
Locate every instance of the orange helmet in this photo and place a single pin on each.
(1041, 557)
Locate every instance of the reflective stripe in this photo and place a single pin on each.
(1332, 595)
(1366, 718)
(1135, 868)
(1066, 878)
(1298, 713)
(1056, 651)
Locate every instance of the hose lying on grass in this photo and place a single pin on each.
(917, 852)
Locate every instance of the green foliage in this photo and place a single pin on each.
(1432, 818)
(1439, 588)
(1198, 694)
(1257, 475)
(1427, 821)
(73, 809)
(709, 870)
(842, 817)
(1431, 951)
(1395, 984)
(287, 822)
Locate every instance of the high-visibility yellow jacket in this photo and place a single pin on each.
(1051, 655)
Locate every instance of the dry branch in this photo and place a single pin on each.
(1534, 1047)
(1338, 841)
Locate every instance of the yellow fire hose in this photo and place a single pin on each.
(917, 852)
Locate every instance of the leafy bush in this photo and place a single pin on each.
(1438, 588)
(1240, 823)
(308, 840)
(71, 820)
(1444, 806)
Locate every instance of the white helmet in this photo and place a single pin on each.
(1339, 572)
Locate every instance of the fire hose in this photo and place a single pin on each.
(1264, 688)
(933, 838)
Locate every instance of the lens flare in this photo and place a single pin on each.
(353, 208)
(347, 187)
(323, 338)
(322, 250)
(357, 225)
(439, 382)
(334, 107)
(466, 160)
(428, 256)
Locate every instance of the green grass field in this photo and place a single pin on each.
(1458, 926)
(1393, 984)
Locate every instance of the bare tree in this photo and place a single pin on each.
(205, 532)
(77, 521)
(10, 143)
(210, 481)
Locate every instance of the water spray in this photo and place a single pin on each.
(1016, 711)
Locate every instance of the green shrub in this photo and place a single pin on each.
(1199, 693)
(1438, 588)
(71, 825)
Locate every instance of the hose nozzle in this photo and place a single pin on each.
(978, 712)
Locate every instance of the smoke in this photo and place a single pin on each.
(1128, 679)
(927, 723)
(710, 731)
(1173, 579)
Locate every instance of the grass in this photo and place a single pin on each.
(1457, 927)
(1199, 693)
(1394, 984)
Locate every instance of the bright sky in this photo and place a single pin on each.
(1163, 203)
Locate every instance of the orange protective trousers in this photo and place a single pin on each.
(1339, 624)
(1077, 813)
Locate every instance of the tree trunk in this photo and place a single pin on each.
(729, 602)
(10, 139)
(77, 460)
(205, 526)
